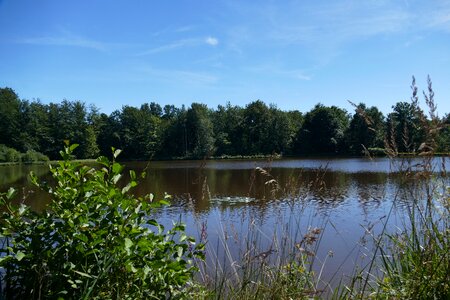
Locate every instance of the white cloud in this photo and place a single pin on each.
(337, 24)
(181, 76)
(440, 19)
(277, 70)
(174, 45)
(184, 28)
(192, 42)
(212, 41)
(171, 30)
(66, 38)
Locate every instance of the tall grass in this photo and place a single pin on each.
(262, 265)
(411, 261)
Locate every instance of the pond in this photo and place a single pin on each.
(231, 202)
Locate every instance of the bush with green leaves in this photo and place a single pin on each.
(9, 154)
(95, 240)
(33, 156)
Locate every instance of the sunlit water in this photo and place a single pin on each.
(231, 202)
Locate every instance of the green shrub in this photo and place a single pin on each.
(9, 154)
(95, 240)
(32, 156)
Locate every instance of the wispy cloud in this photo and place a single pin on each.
(171, 46)
(337, 24)
(321, 29)
(277, 70)
(414, 40)
(184, 28)
(192, 42)
(66, 38)
(440, 18)
(179, 76)
(171, 30)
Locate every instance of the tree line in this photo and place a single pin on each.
(155, 132)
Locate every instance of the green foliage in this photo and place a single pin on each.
(406, 125)
(9, 118)
(9, 154)
(150, 131)
(95, 240)
(443, 140)
(255, 128)
(265, 130)
(139, 131)
(175, 137)
(366, 130)
(69, 121)
(323, 131)
(228, 122)
(32, 156)
(200, 134)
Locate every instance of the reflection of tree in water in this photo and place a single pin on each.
(332, 191)
(193, 185)
(370, 186)
(324, 188)
(17, 175)
(370, 189)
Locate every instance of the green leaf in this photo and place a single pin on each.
(4, 258)
(83, 274)
(126, 188)
(22, 209)
(116, 178)
(138, 208)
(10, 193)
(103, 160)
(132, 175)
(183, 237)
(180, 251)
(164, 202)
(20, 255)
(117, 168)
(73, 147)
(128, 244)
(117, 153)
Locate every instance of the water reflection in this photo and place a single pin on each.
(324, 183)
(327, 188)
(17, 175)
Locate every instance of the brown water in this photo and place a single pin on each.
(229, 202)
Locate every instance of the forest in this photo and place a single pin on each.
(31, 130)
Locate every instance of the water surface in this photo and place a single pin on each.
(228, 202)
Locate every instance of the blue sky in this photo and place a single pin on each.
(290, 53)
